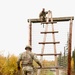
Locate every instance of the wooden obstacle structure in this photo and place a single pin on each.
(51, 21)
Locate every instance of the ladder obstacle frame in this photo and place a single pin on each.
(57, 19)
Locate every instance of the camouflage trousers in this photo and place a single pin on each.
(27, 70)
(43, 18)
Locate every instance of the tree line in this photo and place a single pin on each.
(63, 60)
(8, 65)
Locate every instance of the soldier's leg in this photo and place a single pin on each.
(41, 18)
(24, 72)
(30, 73)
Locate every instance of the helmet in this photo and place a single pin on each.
(28, 46)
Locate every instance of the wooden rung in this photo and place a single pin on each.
(49, 32)
(48, 54)
(52, 67)
(52, 70)
(49, 42)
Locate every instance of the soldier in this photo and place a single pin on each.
(27, 58)
(42, 15)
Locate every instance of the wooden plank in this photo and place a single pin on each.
(53, 36)
(48, 54)
(56, 19)
(30, 34)
(49, 32)
(51, 67)
(49, 42)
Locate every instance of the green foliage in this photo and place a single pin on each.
(73, 56)
(63, 61)
(50, 73)
(46, 63)
(46, 72)
(59, 61)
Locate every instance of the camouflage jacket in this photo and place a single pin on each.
(27, 58)
(43, 14)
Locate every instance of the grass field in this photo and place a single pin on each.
(50, 73)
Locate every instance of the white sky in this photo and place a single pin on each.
(14, 25)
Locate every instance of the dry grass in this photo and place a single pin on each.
(73, 73)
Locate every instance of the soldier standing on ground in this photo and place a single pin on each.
(27, 58)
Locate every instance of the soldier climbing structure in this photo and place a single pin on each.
(51, 20)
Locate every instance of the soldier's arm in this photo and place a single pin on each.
(37, 60)
(46, 12)
(19, 59)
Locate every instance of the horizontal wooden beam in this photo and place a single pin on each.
(56, 19)
(51, 67)
(49, 42)
(49, 32)
(48, 22)
(48, 54)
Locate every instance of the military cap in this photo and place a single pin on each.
(28, 46)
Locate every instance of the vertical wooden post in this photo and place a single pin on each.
(69, 48)
(43, 47)
(30, 33)
(53, 35)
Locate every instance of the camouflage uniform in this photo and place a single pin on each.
(42, 15)
(27, 62)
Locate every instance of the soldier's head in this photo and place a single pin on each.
(28, 47)
(43, 10)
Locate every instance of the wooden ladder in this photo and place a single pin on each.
(44, 41)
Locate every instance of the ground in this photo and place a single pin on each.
(73, 73)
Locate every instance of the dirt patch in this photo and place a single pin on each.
(73, 73)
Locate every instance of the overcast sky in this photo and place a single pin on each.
(14, 25)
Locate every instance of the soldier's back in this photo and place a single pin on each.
(27, 58)
(27, 61)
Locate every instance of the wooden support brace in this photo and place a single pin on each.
(49, 42)
(49, 32)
